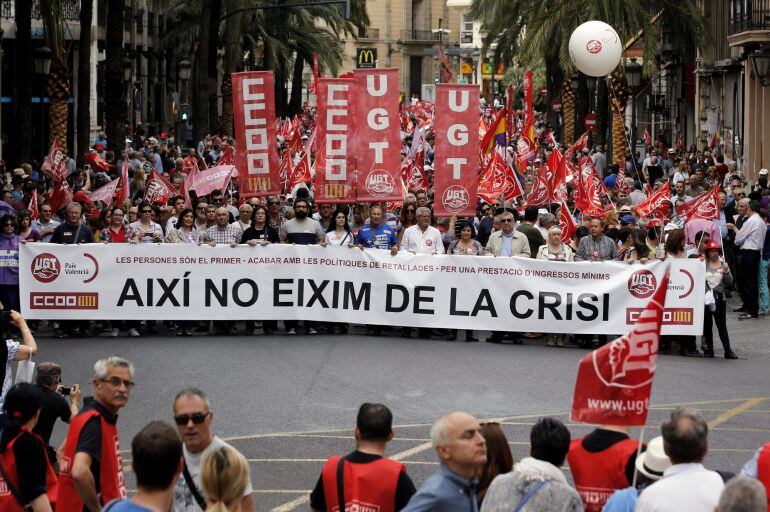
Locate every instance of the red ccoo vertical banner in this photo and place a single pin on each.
(457, 150)
(377, 134)
(257, 155)
(335, 165)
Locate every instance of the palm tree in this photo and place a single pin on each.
(84, 81)
(58, 79)
(114, 90)
(23, 72)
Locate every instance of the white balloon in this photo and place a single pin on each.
(595, 48)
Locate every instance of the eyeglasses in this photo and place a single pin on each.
(146, 211)
(197, 418)
(506, 220)
(116, 382)
(274, 203)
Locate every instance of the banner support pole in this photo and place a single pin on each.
(638, 452)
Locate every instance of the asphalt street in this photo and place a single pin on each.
(289, 402)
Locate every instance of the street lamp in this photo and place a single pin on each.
(42, 60)
(634, 78)
(127, 63)
(184, 68)
(575, 81)
(761, 62)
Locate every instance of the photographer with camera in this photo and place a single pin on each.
(13, 351)
(55, 406)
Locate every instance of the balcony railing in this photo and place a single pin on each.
(70, 9)
(748, 15)
(419, 35)
(370, 33)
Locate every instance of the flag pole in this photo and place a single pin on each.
(638, 452)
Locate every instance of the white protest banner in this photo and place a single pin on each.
(338, 284)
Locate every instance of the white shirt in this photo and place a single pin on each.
(333, 239)
(13, 348)
(752, 233)
(183, 497)
(683, 488)
(422, 242)
(38, 226)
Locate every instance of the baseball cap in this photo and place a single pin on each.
(670, 227)
(654, 461)
(628, 219)
(712, 245)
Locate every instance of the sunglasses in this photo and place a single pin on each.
(197, 418)
(146, 211)
(274, 203)
(506, 220)
(9, 225)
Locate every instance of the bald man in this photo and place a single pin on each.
(461, 448)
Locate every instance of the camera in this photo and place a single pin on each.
(65, 391)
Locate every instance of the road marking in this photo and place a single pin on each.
(735, 411)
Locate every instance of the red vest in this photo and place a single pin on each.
(368, 487)
(9, 503)
(110, 469)
(598, 474)
(763, 469)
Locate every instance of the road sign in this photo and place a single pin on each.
(556, 105)
(366, 57)
(589, 122)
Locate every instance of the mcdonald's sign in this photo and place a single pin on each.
(366, 57)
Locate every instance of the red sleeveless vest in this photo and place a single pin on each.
(8, 502)
(110, 476)
(368, 487)
(763, 469)
(597, 475)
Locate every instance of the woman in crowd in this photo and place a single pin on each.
(466, 245)
(26, 470)
(13, 351)
(408, 218)
(260, 230)
(224, 476)
(675, 244)
(25, 230)
(717, 277)
(9, 263)
(675, 248)
(116, 230)
(499, 458)
(184, 232)
(639, 252)
(339, 232)
(625, 242)
(580, 232)
(555, 250)
(144, 230)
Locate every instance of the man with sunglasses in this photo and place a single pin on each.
(274, 212)
(193, 418)
(45, 224)
(91, 466)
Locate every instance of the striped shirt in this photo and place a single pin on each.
(217, 235)
(591, 249)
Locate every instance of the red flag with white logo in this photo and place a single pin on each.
(457, 154)
(227, 155)
(335, 164)
(541, 188)
(512, 184)
(158, 190)
(620, 182)
(614, 381)
(657, 204)
(55, 164)
(566, 223)
(587, 190)
(96, 162)
(105, 193)
(377, 135)
(254, 113)
(705, 206)
(492, 181)
(299, 173)
(413, 172)
(206, 182)
(60, 196)
(32, 208)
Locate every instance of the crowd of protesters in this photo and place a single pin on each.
(189, 469)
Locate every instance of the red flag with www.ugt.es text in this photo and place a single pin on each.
(705, 206)
(614, 381)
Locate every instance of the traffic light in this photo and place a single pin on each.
(435, 79)
(185, 111)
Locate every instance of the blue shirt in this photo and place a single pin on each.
(445, 491)
(380, 237)
(125, 506)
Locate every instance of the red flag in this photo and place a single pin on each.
(614, 381)
(525, 149)
(541, 188)
(558, 169)
(158, 190)
(32, 208)
(254, 113)
(105, 193)
(493, 179)
(213, 178)
(300, 173)
(377, 135)
(483, 129)
(335, 164)
(657, 204)
(413, 172)
(489, 136)
(445, 68)
(705, 206)
(587, 191)
(125, 187)
(566, 223)
(620, 181)
(457, 157)
(227, 155)
(529, 116)
(512, 184)
(55, 164)
(285, 168)
(96, 162)
(60, 196)
(647, 138)
(314, 84)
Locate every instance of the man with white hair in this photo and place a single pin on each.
(422, 238)
(91, 467)
(743, 494)
(461, 449)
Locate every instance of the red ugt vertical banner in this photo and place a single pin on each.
(254, 109)
(377, 134)
(335, 165)
(457, 151)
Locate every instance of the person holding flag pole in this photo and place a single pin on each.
(613, 390)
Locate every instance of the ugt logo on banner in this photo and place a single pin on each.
(457, 152)
(614, 381)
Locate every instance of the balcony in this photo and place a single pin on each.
(749, 22)
(70, 9)
(370, 33)
(419, 36)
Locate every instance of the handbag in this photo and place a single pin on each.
(25, 371)
(710, 301)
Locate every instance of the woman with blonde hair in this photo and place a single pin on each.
(224, 476)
